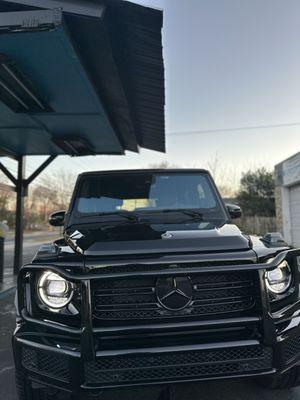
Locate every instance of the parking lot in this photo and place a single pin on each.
(161, 138)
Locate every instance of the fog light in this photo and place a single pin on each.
(54, 291)
(279, 280)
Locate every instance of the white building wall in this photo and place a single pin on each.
(286, 215)
(287, 177)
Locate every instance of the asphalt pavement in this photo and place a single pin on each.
(213, 390)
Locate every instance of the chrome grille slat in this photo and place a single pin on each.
(121, 292)
(221, 286)
(223, 300)
(128, 306)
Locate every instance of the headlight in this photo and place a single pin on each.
(279, 280)
(54, 291)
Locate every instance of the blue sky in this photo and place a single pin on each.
(229, 63)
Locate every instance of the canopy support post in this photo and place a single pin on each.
(22, 185)
(40, 169)
(8, 174)
(21, 193)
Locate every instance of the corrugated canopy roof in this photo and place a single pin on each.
(86, 77)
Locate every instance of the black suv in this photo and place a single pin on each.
(151, 285)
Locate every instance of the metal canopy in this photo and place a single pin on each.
(73, 83)
(77, 77)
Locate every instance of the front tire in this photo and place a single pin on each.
(26, 392)
(287, 380)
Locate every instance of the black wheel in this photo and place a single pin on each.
(26, 392)
(287, 380)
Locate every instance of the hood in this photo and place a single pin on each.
(134, 239)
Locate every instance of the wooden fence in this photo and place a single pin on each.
(257, 225)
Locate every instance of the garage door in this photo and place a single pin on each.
(295, 214)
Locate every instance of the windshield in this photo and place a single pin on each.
(146, 194)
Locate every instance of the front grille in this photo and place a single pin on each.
(161, 367)
(45, 363)
(219, 294)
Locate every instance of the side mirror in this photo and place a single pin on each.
(234, 211)
(57, 218)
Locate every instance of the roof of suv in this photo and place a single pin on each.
(146, 171)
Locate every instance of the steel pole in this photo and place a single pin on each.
(21, 193)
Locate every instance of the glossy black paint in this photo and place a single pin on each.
(234, 211)
(132, 239)
(57, 218)
(87, 259)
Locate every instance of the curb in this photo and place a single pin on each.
(7, 292)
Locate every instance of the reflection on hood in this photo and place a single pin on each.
(145, 237)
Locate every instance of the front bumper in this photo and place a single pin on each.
(67, 369)
(75, 359)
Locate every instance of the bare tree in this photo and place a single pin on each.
(7, 200)
(163, 165)
(47, 194)
(42, 200)
(61, 185)
(225, 176)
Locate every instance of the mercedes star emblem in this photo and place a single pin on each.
(174, 293)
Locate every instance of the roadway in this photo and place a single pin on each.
(32, 241)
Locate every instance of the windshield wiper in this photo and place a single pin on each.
(188, 212)
(129, 215)
(194, 215)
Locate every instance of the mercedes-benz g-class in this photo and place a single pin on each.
(152, 284)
